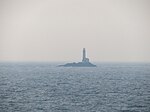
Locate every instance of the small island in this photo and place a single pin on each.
(85, 62)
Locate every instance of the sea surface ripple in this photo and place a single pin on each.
(43, 87)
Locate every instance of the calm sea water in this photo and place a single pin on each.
(43, 87)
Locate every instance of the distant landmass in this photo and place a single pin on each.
(85, 62)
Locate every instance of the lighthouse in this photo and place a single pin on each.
(84, 54)
(85, 62)
(84, 59)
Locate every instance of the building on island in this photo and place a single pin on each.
(85, 62)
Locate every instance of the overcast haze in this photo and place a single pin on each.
(57, 30)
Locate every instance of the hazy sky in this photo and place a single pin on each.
(57, 30)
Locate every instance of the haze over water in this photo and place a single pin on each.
(43, 87)
(57, 30)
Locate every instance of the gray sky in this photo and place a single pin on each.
(57, 30)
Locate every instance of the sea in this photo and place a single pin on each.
(44, 87)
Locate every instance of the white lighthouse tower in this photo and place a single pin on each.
(84, 59)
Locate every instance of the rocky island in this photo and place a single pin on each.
(85, 62)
